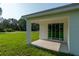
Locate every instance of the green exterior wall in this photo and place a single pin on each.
(74, 33)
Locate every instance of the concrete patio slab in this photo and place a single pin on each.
(56, 46)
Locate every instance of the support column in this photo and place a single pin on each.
(28, 32)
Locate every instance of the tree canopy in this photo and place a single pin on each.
(0, 11)
(12, 24)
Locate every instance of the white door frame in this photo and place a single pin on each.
(55, 32)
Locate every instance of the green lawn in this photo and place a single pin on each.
(14, 44)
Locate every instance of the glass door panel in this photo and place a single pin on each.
(56, 31)
(61, 35)
(53, 31)
(49, 31)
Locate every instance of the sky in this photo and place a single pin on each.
(16, 10)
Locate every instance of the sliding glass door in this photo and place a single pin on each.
(56, 31)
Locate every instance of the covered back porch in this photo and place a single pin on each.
(59, 25)
(52, 39)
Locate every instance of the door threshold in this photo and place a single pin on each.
(55, 40)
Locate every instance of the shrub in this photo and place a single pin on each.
(2, 30)
(9, 30)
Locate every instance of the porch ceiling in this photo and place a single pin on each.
(51, 20)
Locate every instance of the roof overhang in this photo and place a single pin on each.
(54, 10)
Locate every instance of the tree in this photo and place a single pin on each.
(22, 24)
(35, 27)
(0, 11)
(5, 23)
(9, 24)
(1, 27)
(13, 23)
